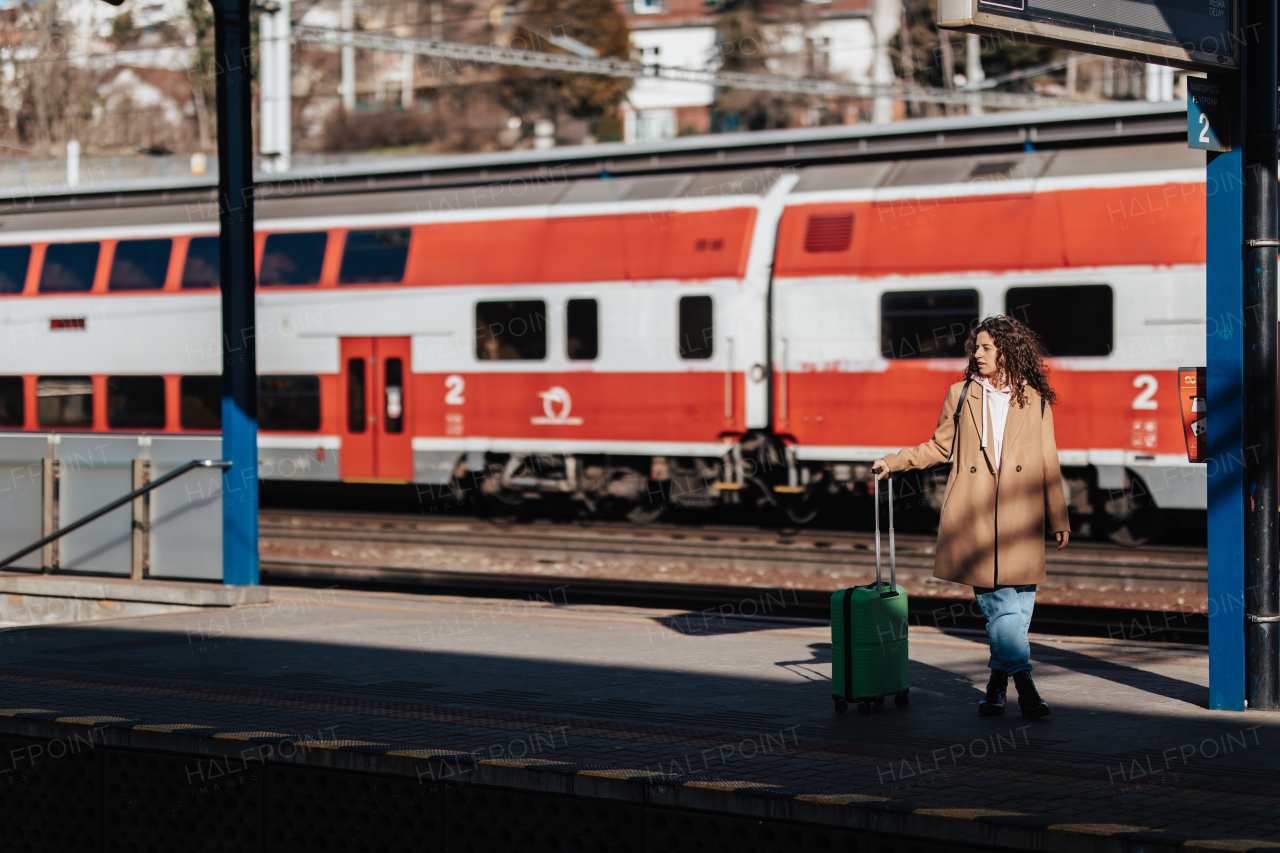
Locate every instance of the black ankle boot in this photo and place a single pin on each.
(992, 705)
(1033, 707)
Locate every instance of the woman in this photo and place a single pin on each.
(998, 423)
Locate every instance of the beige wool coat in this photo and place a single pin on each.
(992, 529)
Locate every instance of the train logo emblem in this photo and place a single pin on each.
(551, 399)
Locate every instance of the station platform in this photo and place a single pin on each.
(326, 719)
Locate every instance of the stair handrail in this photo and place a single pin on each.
(118, 502)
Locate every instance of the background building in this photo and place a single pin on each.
(138, 79)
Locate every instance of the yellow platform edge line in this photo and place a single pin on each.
(1096, 828)
(968, 814)
(90, 721)
(306, 743)
(518, 763)
(169, 728)
(1228, 844)
(620, 773)
(427, 752)
(839, 799)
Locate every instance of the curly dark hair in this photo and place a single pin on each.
(1021, 358)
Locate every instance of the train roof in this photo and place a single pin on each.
(553, 191)
(1052, 128)
(1110, 123)
(1076, 162)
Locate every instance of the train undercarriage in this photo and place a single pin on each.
(760, 478)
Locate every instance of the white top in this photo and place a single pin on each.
(995, 405)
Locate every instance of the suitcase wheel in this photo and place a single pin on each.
(864, 708)
(841, 706)
(902, 700)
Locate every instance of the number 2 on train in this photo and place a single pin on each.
(1148, 384)
(456, 385)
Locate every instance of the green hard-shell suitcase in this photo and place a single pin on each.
(869, 635)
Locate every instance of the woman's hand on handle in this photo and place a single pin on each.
(880, 468)
(1063, 537)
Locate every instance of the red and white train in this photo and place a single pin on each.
(687, 338)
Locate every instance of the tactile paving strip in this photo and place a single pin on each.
(162, 801)
(1250, 791)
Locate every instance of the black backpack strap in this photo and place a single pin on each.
(964, 392)
(955, 417)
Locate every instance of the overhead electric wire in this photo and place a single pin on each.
(730, 79)
(616, 67)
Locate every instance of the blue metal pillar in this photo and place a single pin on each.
(1224, 317)
(235, 252)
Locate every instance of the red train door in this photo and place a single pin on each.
(376, 439)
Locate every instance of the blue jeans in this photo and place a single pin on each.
(1008, 611)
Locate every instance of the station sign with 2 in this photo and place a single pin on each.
(1207, 115)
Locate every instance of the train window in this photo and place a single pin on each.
(393, 414)
(373, 257)
(289, 402)
(582, 329)
(202, 269)
(926, 323)
(14, 261)
(829, 233)
(201, 402)
(13, 403)
(135, 402)
(69, 267)
(356, 415)
(511, 331)
(697, 331)
(140, 265)
(1071, 320)
(293, 259)
(64, 401)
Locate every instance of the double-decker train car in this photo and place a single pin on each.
(693, 338)
(881, 268)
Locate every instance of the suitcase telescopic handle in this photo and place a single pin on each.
(893, 563)
(875, 490)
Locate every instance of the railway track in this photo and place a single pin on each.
(723, 547)
(733, 568)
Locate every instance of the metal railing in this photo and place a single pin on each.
(116, 504)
